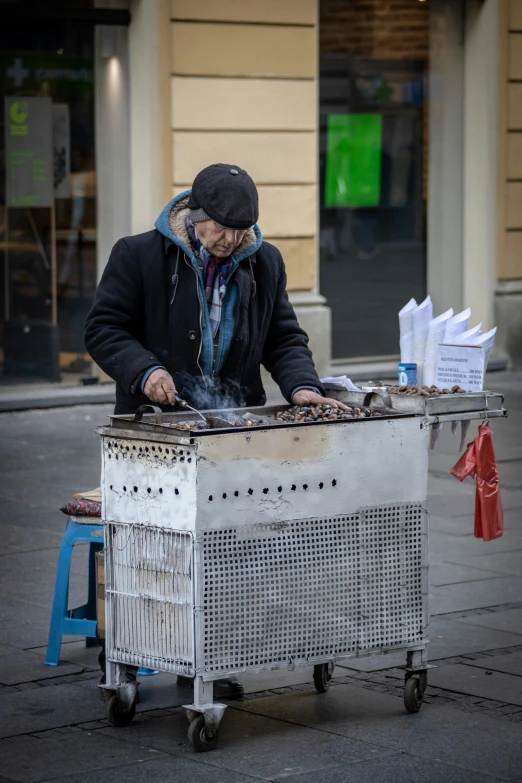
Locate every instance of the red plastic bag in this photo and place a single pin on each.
(479, 461)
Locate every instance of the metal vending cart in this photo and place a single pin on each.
(253, 548)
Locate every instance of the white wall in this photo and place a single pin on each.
(480, 159)
(147, 114)
(112, 140)
(446, 144)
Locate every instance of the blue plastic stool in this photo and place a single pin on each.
(82, 620)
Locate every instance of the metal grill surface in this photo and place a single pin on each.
(314, 589)
(149, 597)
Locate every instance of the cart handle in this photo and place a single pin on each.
(144, 408)
(383, 397)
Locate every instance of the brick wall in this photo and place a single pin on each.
(375, 28)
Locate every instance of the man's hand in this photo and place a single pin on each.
(309, 397)
(160, 388)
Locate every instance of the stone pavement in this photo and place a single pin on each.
(469, 730)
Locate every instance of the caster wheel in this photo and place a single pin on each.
(115, 715)
(412, 695)
(199, 737)
(322, 675)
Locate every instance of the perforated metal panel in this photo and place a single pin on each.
(313, 589)
(269, 595)
(149, 597)
(393, 575)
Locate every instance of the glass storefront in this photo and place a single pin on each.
(372, 172)
(47, 195)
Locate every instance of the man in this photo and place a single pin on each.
(196, 306)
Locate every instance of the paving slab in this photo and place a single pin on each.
(254, 744)
(17, 666)
(475, 595)
(399, 767)
(35, 513)
(447, 497)
(461, 678)
(24, 624)
(74, 652)
(161, 770)
(22, 538)
(463, 525)
(447, 547)
(25, 712)
(510, 474)
(448, 637)
(506, 562)
(31, 575)
(56, 753)
(509, 620)
(473, 741)
(510, 664)
(455, 573)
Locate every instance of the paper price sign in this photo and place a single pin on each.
(461, 365)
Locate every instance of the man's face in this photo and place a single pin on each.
(220, 242)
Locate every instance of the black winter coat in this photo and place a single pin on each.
(133, 325)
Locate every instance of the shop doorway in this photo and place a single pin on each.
(372, 177)
(48, 185)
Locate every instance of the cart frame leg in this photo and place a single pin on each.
(120, 680)
(417, 667)
(416, 660)
(204, 705)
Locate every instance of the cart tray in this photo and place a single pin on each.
(422, 406)
(264, 419)
(446, 403)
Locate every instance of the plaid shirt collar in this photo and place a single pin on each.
(215, 272)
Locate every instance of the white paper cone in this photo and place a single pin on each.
(406, 330)
(466, 338)
(436, 331)
(457, 325)
(422, 316)
(486, 341)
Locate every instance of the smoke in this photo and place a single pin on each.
(209, 394)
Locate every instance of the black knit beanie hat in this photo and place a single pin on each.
(225, 194)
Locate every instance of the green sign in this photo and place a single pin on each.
(44, 73)
(353, 160)
(28, 152)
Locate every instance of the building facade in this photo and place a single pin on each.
(385, 137)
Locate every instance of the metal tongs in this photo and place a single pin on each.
(184, 404)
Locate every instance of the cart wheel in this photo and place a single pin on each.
(198, 736)
(322, 675)
(412, 695)
(115, 715)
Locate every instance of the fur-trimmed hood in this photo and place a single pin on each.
(172, 224)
